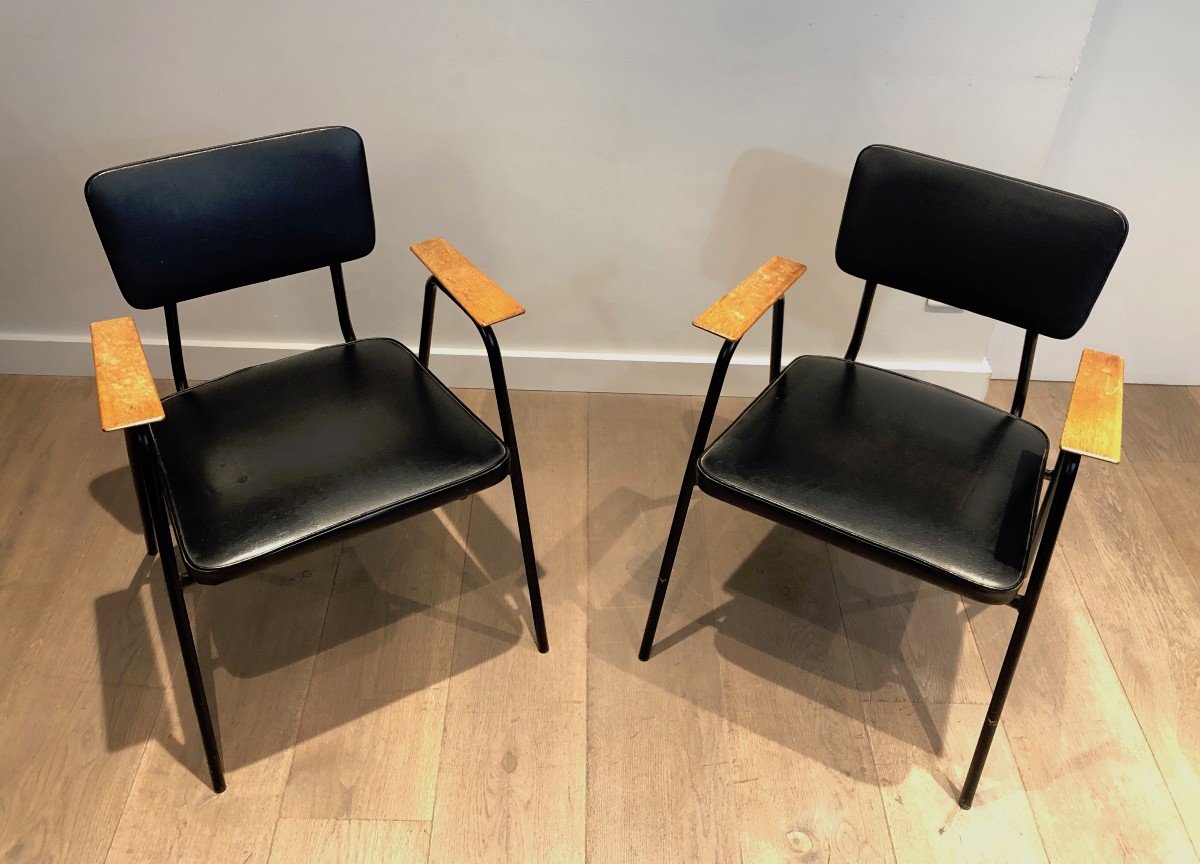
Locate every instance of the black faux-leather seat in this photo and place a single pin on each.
(921, 479)
(276, 458)
(904, 472)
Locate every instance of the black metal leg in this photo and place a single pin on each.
(689, 479)
(139, 487)
(668, 562)
(992, 720)
(1050, 521)
(531, 574)
(183, 628)
(518, 479)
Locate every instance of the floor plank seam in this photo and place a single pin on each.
(462, 570)
(1066, 562)
(862, 707)
(302, 713)
(1003, 730)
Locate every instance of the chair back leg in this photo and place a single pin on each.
(183, 627)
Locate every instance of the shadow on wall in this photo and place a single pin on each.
(776, 204)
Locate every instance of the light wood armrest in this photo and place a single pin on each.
(735, 313)
(1093, 426)
(480, 297)
(127, 393)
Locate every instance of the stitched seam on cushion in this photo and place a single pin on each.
(350, 522)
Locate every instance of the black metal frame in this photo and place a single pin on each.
(504, 408)
(150, 489)
(1049, 520)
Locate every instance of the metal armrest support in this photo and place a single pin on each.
(486, 303)
(730, 317)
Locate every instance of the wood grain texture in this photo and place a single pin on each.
(747, 736)
(127, 393)
(656, 730)
(919, 777)
(1093, 425)
(1161, 424)
(349, 841)
(1085, 699)
(480, 297)
(735, 313)
(512, 780)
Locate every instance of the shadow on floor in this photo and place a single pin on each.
(781, 613)
(373, 618)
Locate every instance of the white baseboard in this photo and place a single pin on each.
(468, 367)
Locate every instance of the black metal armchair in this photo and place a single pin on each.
(271, 460)
(917, 477)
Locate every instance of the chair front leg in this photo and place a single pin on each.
(1054, 509)
(183, 627)
(707, 413)
(518, 486)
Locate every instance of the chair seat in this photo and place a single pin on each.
(923, 479)
(271, 458)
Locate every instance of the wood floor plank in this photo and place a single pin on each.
(349, 841)
(660, 767)
(257, 635)
(370, 740)
(511, 785)
(1075, 737)
(920, 784)
(805, 781)
(1172, 489)
(909, 639)
(1144, 600)
(1161, 424)
(735, 742)
(69, 752)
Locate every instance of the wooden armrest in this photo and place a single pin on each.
(1093, 426)
(126, 390)
(480, 297)
(735, 313)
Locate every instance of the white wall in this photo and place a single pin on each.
(615, 165)
(1130, 136)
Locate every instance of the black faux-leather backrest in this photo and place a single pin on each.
(1014, 251)
(210, 220)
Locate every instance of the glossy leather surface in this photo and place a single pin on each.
(920, 478)
(210, 220)
(271, 458)
(1014, 251)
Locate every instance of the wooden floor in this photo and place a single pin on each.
(384, 701)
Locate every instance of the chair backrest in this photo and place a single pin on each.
(198, 223)
(1014, 251)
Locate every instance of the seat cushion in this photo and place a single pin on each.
(270, 458)
(923, 479)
